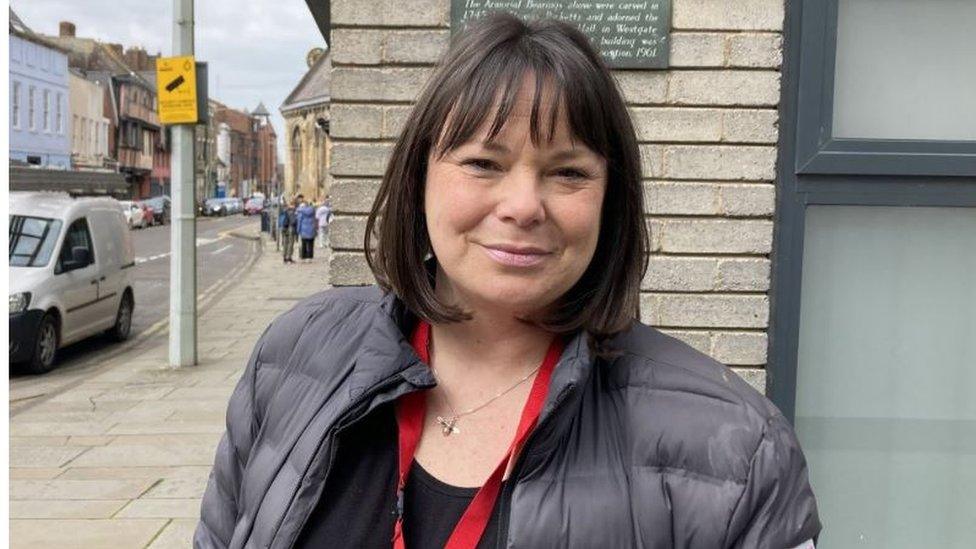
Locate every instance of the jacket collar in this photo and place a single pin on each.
(386, 351)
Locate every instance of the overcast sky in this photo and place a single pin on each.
(255, 48)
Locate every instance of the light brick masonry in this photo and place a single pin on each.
(707, 128)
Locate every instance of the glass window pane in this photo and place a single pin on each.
(886, 374)
(905, 69)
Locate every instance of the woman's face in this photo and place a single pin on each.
(513, 226)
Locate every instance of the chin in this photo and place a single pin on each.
(515, 295)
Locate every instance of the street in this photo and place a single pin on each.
(221, 259)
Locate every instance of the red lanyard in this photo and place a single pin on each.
(410, 412)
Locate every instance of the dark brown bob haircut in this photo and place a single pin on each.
(484, 66)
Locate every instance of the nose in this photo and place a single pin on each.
(520, 199)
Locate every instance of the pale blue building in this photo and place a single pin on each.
(40, 124)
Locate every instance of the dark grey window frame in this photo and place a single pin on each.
(837, 172)
(819, 152)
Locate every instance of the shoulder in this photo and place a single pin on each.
(330, 316)
(714, 421)
(653, 359)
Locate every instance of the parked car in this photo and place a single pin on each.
(234, 205)
(254, 206)
(161, 207)
(134, 216)
(69, 262)
(214, 207)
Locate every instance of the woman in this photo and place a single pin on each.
(307, 229)
(496, 388)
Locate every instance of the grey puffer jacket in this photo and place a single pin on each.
(660, 447)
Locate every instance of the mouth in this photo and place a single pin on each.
(516, 256)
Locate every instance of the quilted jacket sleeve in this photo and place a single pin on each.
(777, 509)
(219, 509)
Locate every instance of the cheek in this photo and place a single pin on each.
(452, 206)
(580, 220)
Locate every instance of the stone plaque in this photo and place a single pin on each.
(629, 35)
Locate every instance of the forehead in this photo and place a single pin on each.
(518, 106)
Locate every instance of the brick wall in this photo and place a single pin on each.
(708, 132)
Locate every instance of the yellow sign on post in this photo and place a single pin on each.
(176, 86)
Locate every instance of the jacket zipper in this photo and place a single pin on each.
(348, 418)
(517, 469)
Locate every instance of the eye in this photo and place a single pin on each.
(572, 173)
(481, 164)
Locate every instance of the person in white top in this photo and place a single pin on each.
(324, 215)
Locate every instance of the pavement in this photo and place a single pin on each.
(121, 458)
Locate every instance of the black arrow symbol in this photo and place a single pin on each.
(175, 83)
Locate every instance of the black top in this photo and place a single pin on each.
(357, 507)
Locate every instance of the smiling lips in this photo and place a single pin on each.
(516, 256)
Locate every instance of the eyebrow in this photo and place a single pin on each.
(495, 146)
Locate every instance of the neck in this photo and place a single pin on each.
(492, 341)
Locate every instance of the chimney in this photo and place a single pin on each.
(137, 59)
(66, 29)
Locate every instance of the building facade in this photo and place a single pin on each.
(139, 131)
(267, 152)
(89, 125)
(810, 185)
(40, 127)
(206, 163)
(238, 152)
(135, 142)
(308, 143)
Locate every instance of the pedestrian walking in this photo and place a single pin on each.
(502, 349)
(287, 223)
(324, 215)
(307, 229)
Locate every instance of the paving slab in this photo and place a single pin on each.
(174, 427)
(35, 473)
(161, 508)
(178, 534)
(147, 455)
(42, 428)
(153, 473)
(43, 456)
(178, 488)
(57, 489)
(84, 534)
(65, 509)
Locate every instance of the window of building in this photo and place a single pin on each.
(75, 142)
(870, 339)
(30, 108)
(46, 110)
(59, 115)
(15, 104)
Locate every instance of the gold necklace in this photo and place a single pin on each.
(449, 424)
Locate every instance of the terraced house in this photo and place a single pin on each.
(40, 127)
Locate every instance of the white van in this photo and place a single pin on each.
(69, 274)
